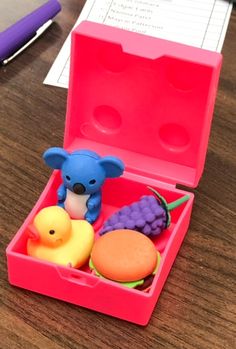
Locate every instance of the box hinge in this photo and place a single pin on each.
(148, 181)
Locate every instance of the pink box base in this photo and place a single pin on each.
(82, 288)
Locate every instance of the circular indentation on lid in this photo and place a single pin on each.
(174, 137)
(112, 58)
(107, 119)
(182, 76)
(87, 129)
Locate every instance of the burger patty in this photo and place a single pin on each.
(147, 283)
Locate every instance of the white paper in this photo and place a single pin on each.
(200, 23)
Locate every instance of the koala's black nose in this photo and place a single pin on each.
(78, 188)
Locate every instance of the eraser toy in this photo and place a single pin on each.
(150, 215)
(54, 237)
(83, 174)
(127, 257)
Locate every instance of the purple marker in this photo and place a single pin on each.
(24, 25)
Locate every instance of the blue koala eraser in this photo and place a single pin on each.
(83, 173)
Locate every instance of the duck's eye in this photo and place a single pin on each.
(93, 181)
(68, 178)
(51, 232)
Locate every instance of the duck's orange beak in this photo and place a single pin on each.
(33, 232)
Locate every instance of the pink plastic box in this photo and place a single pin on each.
(149, 102)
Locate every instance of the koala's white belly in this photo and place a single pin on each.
(75, 204)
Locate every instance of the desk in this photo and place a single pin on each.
(196, 307)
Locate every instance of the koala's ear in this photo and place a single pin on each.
(113, 167)
(55, 157)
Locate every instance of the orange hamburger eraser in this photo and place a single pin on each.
(124, 255)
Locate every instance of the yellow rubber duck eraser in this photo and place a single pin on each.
(54, 237)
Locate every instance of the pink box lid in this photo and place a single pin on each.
(147, 100)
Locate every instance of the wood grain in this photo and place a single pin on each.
(197, 307)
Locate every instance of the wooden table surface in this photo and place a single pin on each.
(196, 308)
